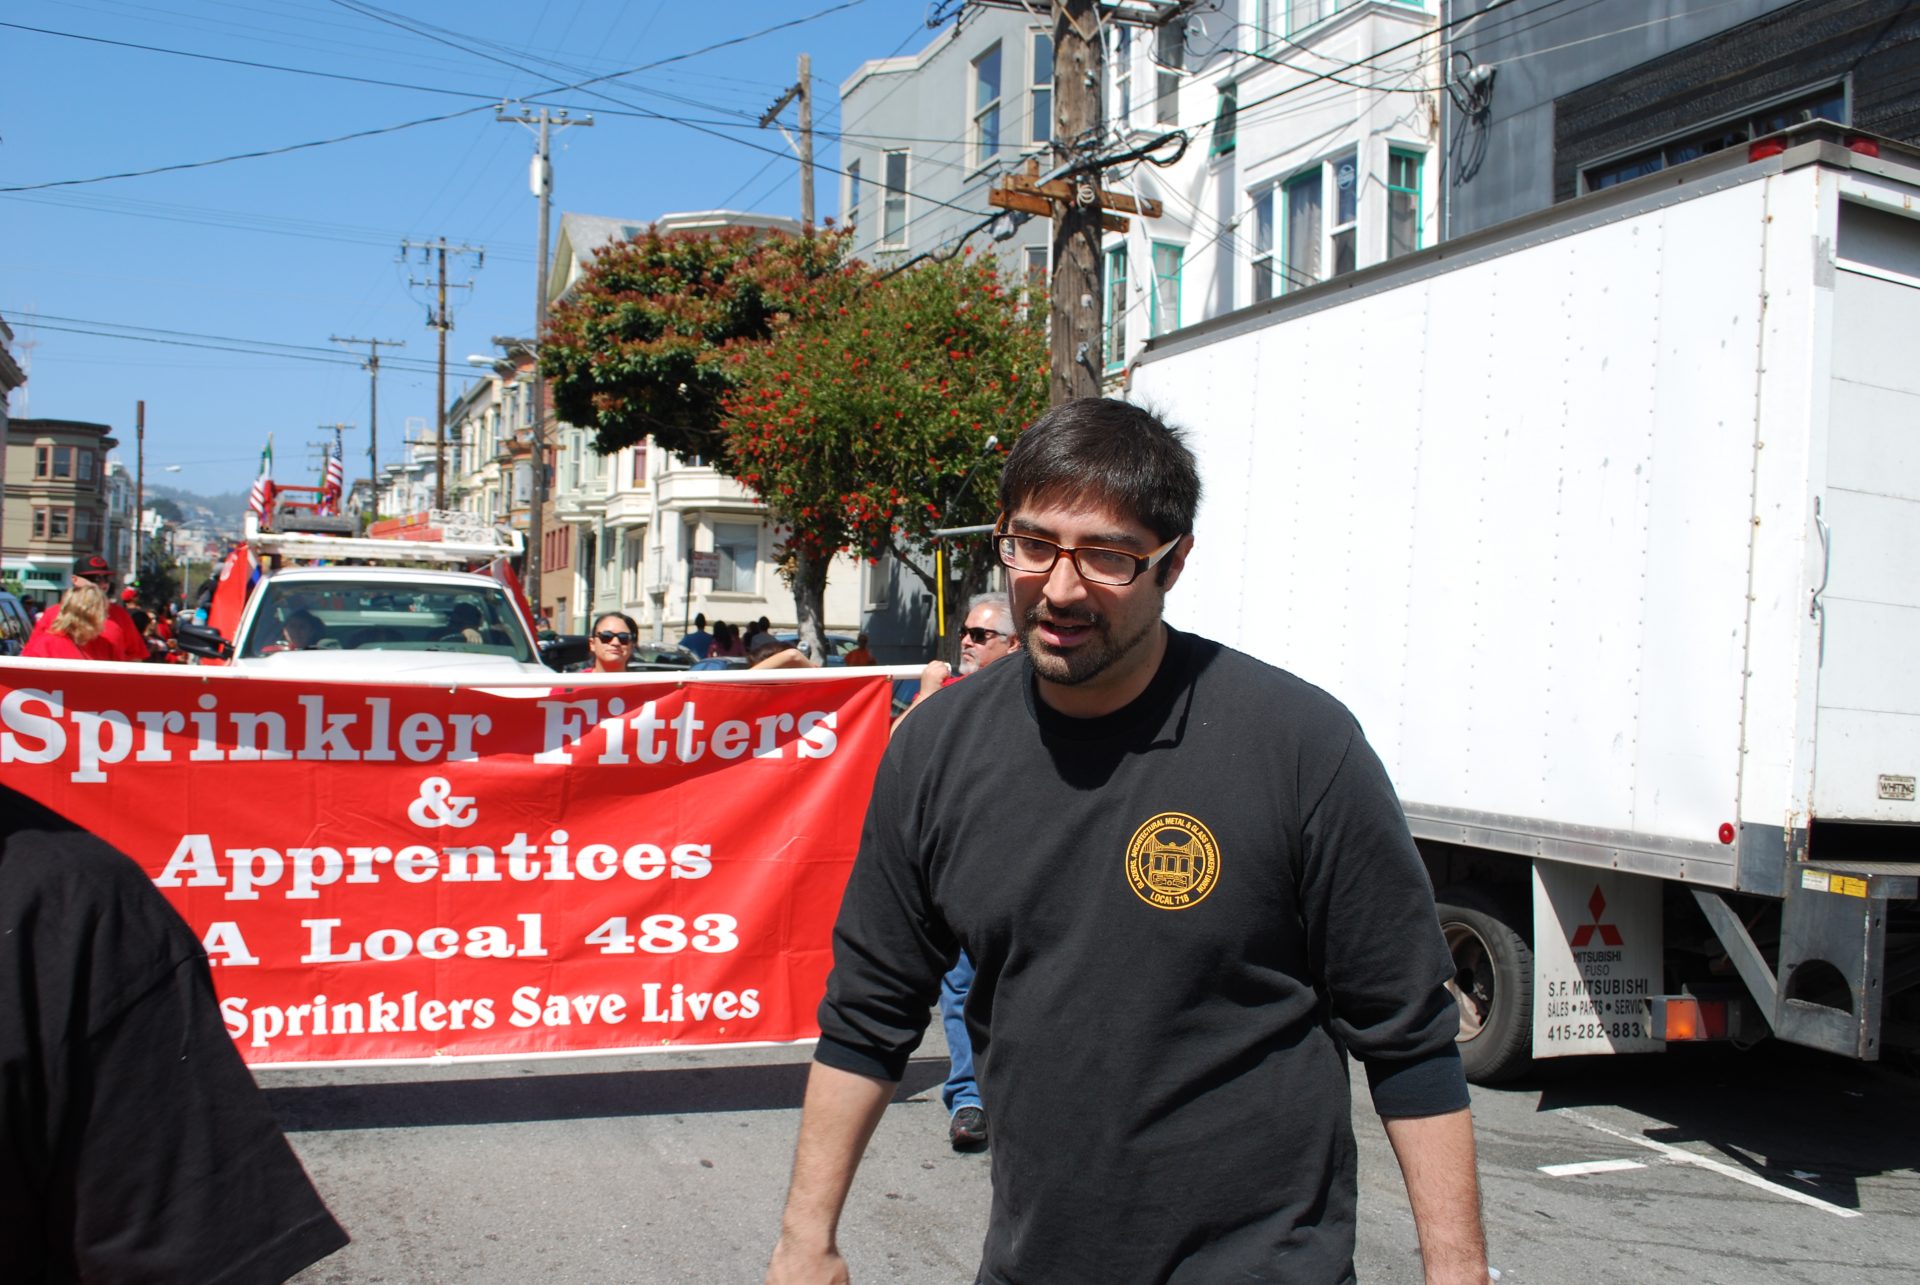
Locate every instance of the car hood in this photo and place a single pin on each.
(372, 666)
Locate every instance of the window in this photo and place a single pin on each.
(1266, 24)
(1122, 75)
(1301, 231)
(893, 217)
(986, 106)
(1040, 91)
(62, 461)
(738, 544)
(1171, 54)
(1825, 104)
(573, 454)
(1346, 211)
(1165, 310)
(1036, 266)
(1302, 14)
(59, 524)
(43, 461)
(40, 524)
(1403, 202)
(640, 463)
(1226, 122)
(82, 527)
(1116, 306)
(1262, 247)
(85, 459)
(853, 194)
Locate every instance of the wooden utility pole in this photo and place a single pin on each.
(442, 320)
(139, 491)
(1077, 307)
(542, 183)
(372, 367)
(802, 89)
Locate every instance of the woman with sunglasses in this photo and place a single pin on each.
(611, 642)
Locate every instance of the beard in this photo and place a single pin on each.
(968, 663)
(1091, 658)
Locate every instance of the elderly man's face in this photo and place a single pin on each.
(990, 623)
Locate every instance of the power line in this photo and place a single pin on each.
(247, 156)
(389, 129)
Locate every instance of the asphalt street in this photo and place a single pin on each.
(1775, 1165)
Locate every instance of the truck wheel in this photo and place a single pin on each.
(1493, 983)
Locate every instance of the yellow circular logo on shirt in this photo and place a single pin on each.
(1172, 862)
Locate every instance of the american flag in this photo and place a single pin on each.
(262, 485)
(335, 479)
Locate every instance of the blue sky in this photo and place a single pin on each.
(294, 248)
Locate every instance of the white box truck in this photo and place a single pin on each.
(1606, 524)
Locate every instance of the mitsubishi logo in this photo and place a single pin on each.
(1609, 935)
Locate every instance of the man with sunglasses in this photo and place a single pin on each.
(611, 642)
(1189, 892)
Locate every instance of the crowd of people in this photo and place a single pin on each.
(89, 622)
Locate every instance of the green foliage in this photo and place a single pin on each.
(643, 343)
(865, 429)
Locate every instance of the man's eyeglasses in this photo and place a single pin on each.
(1033, 555)
(608, 636)
(980, 635)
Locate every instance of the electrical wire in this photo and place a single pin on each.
(387, 129)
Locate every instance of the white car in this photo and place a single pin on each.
(377, 622)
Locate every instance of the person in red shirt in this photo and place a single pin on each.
(72, 627)
(118, 638)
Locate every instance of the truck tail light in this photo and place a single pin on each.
(1863, 145)
(1686, 1017)
(1766, 147)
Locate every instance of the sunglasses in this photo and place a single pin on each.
(608, 636)
(980, 635)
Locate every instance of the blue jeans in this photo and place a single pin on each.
(960, 1089)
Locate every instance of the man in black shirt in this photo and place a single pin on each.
(1189, 892)
(134, 1144)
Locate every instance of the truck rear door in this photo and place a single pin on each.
(1868, 706)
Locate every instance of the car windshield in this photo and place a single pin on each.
(354, 615)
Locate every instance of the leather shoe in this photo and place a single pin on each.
(967, 1131)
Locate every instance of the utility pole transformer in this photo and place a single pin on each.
(801, 89)
(1076, 307)
(441, 320)
(372, 367)
(542, 183)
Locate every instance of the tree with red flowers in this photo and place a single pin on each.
(642, 343)
(865, 429)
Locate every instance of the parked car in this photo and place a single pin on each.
(650, 658)
(838, 645)
(14, 625)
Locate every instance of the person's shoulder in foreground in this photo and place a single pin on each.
(134, 1143)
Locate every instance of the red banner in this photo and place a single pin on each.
(393, 872)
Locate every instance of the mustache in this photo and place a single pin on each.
(1054, 616)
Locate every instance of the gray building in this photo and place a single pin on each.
(1551, 99)
(925, 135)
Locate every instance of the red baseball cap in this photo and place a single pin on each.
(128, 595)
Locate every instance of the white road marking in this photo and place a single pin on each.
(1585, 1167)
(1679, 1155)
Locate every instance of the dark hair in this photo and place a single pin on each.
(624, 618)
(700, 620)
(1112, 453)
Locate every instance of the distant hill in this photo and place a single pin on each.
(228, 508)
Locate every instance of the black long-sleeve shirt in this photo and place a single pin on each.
(1183, 915)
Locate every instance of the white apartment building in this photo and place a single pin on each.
(1311, 130)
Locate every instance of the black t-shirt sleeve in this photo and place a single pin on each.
(890, 947)
(135, 1144)
(180, 1170)
(1375, 939)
